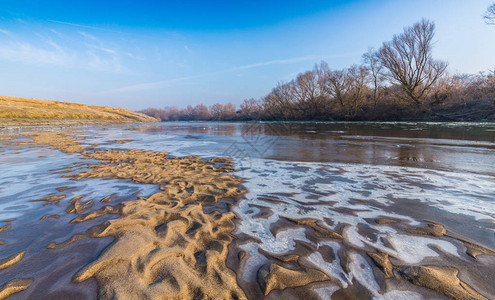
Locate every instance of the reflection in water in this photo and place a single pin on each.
(216, 129)
(444, 146)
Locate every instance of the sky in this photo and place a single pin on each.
(140, 54)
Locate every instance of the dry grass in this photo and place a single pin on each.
(14, 108)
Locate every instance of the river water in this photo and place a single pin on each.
(344, 176)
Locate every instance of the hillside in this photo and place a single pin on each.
(14, 110)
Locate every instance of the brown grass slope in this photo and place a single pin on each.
(33, 110)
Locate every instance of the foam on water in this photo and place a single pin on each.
(362, 272)
(334, 269)
(346, 195)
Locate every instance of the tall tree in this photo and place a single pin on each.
(372, 61)
(201, 112)
(250, 109)
(347, 87)
(490, 15)
(280, 102)
(308, 93)
(408, 61)
(357, 80)
(217, 111)
(228, 112)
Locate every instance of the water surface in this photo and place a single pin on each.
(345, 176)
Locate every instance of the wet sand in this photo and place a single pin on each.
(202, 231)
(163, 244)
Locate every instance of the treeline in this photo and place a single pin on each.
(399, 81)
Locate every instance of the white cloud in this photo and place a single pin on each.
(84, 26)
(88, 36)
(41, 50)
(56, 33)
(6, 32)
(53, 54)
(135, 57)
(30, 54)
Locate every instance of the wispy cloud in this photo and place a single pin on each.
(85, 26)
(134, 57)
(56, 33)
(30, 54)
(281, 61)
(5, 32)
(42, 50)
(88, 36)
(164, 83)
(149, 85)
(188, 50)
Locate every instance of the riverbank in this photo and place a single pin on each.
(395, 111)
(15, 111)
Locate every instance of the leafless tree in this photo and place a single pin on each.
(201, 112)
(229, 111)
(280, 102)
(251, 109)
(357, 81)
(188, 113)
(490, 15)
(375, 68)
(308, 93)
(347, 88)
(338, 86)
(408, 62)
(221, 112)
(216, 111)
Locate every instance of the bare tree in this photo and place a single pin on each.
(188, 113)
(251, 109)
(229, 111)
(338, 86)
(201, 112)
(375, 68)
(280, 102)
(490, 15)
(347, 87)
(308, 93)
(357, 81)
(408, 62)
(217, 111)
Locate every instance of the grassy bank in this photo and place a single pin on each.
(22, 111)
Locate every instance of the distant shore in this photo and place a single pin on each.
(251, 110)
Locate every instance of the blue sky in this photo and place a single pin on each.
(173, 53)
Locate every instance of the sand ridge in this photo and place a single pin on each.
(14, 286)
(165, 245)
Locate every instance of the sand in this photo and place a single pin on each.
(179, 242)
(14, 286)
(164, 244)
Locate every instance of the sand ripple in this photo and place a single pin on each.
(165, 244)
